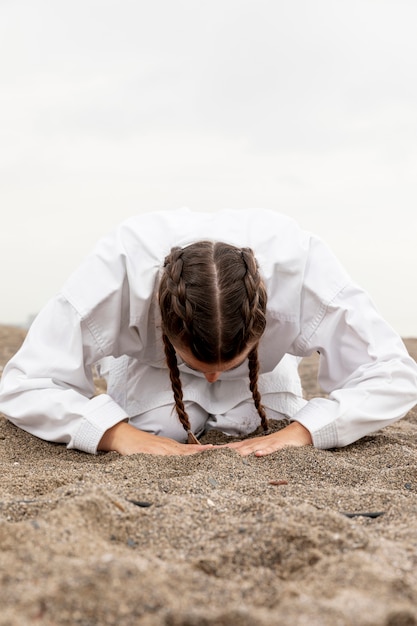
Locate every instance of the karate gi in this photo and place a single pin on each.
(107, 316)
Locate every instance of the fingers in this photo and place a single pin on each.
(256, 452)
(264, 452)
(189, 448)
(258, 446)
(250, 446)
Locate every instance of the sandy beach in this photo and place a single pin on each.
(302, 537)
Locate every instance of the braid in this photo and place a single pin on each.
(253, 385)
(177, 290)
(174, 375)
(252, 282)
(250, 307)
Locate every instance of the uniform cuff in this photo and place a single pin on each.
(317, 416)
(102, 414)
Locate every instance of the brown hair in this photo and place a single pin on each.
(213, 302)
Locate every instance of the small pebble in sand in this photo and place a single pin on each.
(365, 514)
(140, 503)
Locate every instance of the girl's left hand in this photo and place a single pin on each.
(293, 435)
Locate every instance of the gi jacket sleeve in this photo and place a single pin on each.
(47, 388)
(365, 369)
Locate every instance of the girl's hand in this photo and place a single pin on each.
(293, 435)
(126, 439)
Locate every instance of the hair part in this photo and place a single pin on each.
(213, 303)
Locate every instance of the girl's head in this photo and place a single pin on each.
(213, 303)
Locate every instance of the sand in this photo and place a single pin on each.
(211, 539)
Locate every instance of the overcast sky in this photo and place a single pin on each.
(109, 108)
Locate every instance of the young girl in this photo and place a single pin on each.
(198, 321)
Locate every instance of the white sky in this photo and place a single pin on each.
(109, 108)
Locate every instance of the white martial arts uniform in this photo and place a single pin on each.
(107, 315)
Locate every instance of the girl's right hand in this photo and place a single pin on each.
(126, 439)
